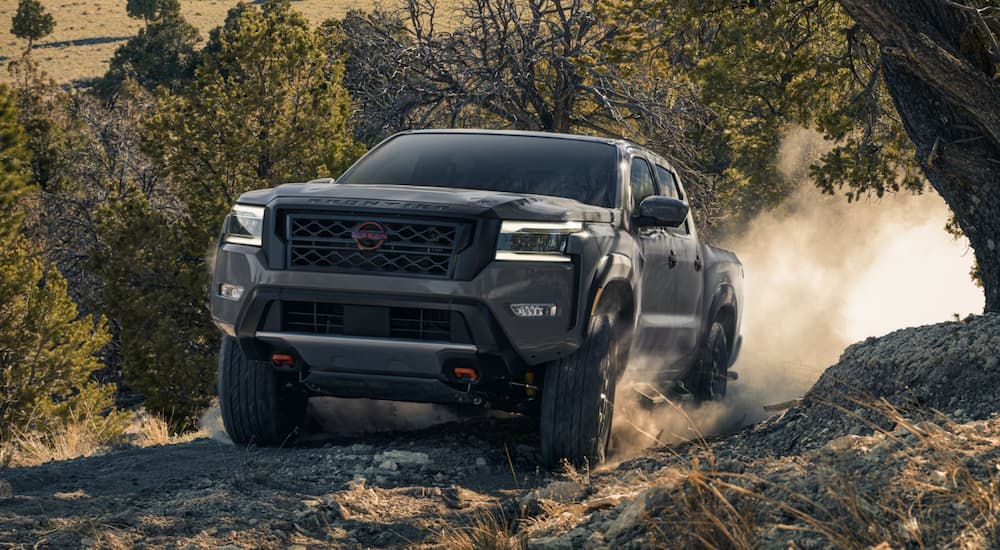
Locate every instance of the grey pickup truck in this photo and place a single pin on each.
(511, 270)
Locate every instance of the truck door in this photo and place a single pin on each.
(688, 272)
(658, 279)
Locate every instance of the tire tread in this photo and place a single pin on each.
(253, 410)
(570, 426)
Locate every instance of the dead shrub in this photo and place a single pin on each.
(485, 531)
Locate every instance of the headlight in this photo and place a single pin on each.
(244, 225)
(535, 241)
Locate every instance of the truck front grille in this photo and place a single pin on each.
(352, 243)
(419, 324)
(407, 323)
(313, 318)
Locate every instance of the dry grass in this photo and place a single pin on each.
(86, 533)
(87, 33)
(80, 437)
(920, 484)
(937, 486)
(484, 531)
(74, 438)
(152, 431)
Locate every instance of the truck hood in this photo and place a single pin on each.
(439, 200)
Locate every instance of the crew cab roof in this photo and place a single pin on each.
(616, 142)
(550, 135)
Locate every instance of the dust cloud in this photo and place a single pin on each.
(330, 417)
(821, 273)
(353, 417)
(210, 424)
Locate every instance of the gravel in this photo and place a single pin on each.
(948, 369)
(898, 443)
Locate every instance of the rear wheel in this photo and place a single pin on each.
(257, 407)
(712, 375)
(578, 400)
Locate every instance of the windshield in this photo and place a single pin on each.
(574, 169)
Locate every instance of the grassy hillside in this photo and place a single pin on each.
(87, 32)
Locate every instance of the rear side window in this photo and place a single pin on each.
(641, 182)
(667, 182)
(671, 189)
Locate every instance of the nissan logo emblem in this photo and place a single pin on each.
(369, 235)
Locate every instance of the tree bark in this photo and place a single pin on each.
(939, 70)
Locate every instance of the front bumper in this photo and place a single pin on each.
(502, 347)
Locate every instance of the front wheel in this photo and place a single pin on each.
(256, 406)
(578, 400)
(712, 375)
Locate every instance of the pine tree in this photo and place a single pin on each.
(151, 10)
(154, 287)
(31, 22)
(161, 54)
(47, 352)
(266, 106)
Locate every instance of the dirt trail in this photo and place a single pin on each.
(909, 418)
(393, 489)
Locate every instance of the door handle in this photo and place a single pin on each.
(697, 263)
(672, 260)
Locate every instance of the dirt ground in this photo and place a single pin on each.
(388, 490)
(897, 444)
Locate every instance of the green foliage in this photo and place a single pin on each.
(152, 10)
(47, 353)
(762, 67)
(161, 54)
(39, 103)
(13, 165)
(154, 275)
(265, 106)
(31, 22)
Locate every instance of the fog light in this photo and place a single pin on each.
(230, 292)
(534, 310)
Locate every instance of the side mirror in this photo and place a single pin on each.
(657, 211)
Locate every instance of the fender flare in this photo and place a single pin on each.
(612, 268)
(725, 296)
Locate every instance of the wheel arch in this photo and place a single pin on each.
(724, 309)
(612, 291)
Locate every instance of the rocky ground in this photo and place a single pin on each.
(896, 445)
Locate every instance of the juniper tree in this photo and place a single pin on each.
(161, 54)
(47, 351)
(31, 22)
(265, 106)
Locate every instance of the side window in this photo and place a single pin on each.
(667, 182)
(641, 182)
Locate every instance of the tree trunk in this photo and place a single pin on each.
(939, 68)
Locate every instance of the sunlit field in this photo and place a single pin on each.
(87, 33)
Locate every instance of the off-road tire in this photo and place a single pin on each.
(578, 400)
(257, 408)
(711, 377)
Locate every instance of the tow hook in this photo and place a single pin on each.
(479, 401)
